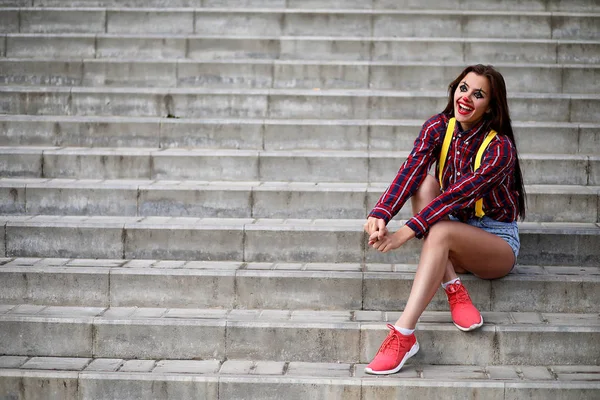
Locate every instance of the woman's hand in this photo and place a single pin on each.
(391, 241)
(375, 226)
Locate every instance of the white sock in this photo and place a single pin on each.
(404, 331)
(456, 280)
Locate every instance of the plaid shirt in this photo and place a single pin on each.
(494, 181)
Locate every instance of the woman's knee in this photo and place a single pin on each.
(440, 233)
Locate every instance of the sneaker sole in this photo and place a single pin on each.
(471, 328)
(413, 350)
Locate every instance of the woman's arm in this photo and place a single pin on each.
(413, 171)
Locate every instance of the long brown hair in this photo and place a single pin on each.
(498, 118)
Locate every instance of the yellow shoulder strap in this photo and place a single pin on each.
(444, 154)
(445, 148)
(486, 142)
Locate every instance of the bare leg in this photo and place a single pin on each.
(448, 240)
(429, 190)
(454, 240)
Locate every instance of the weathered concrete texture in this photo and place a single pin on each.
(205, 165)
(104, 365)
(304, 166)
(585, 110)
(146, 339)
(98, 386)
(233, 48)
(42, 385)
(22, 337)
(325, 342)
(12, 361)
(218, 105)
(58, 21)
(186, 367)
(401, 49)
(53, 73)
(100, 164)
(115, 46)
(578, 53)
(199, 201)
(50, 46)
(531, 347)
(88, 199)
(269, 388)
(41, 101)
(294, 290)
(542, 391)
(13, 199)
(525, 293)
(231, 134)
(380, 389)
(192, 243)
(9, 21)
(158, 21)
(64, 241)
(27, 164)
(22, 131)
(70, 286)
(232, 75)
(594, 170)
(56, 363)
(108, 132)
(186, 288)
(304, 75)
(539, 248)
(125, 73)
(284, 135)
(562, 203)
(264, 244)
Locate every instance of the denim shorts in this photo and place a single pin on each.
(509, 231)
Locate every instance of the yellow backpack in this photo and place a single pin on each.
(444, 154)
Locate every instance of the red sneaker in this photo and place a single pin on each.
(464, 314)
(393, 353)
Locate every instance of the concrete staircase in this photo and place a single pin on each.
(182, 193)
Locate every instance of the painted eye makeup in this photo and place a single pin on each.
(463, 88)
(478, 95)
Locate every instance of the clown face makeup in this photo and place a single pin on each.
(471, 99)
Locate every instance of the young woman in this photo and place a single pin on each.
(466, 214)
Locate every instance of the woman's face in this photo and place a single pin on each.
(471, 99)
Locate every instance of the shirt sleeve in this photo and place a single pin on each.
(497, 163)
(413, 171)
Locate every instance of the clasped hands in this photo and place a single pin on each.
(381, 239)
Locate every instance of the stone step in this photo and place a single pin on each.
(261, 134)
(258, 240)
(292, 335)
(311, 22)
(276, 103)
(352, 48)
(256, 165)
(294, 286)
(214, 199)
(117, 378)
(487, 5)
(282, 74)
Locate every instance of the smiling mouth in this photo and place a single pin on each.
(464, 109)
